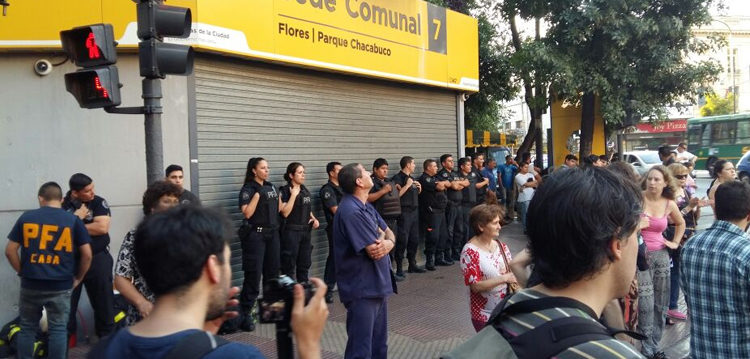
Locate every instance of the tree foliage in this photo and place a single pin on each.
(716, 105)
(632, 55)
(482, 111)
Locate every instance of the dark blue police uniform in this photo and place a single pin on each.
(481, 192)
(407, 237)
(49, 239)
(364, 284)
(452, 216)
(330, 195)
(432, 204)
(260, 243)
(470, 195)
(98, 279)
(295, 235)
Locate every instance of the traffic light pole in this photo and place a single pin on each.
(154, 145)
(152, 111)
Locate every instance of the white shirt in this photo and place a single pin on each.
(685, 156)
(524, 193)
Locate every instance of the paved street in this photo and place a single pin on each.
(430, 315)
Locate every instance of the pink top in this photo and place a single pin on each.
(652, 235)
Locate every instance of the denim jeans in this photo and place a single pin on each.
(523, 207)
(57, 304)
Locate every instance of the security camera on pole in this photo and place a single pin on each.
(97, 84)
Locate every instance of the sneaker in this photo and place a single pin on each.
(676, 314)
(399, 278)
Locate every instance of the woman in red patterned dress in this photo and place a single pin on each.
(483, 262)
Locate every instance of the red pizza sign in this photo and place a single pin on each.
(666, 126)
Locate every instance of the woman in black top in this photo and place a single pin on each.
(296, 208)
(259, 203)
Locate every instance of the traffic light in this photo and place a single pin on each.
(156, 21)
(92, 47)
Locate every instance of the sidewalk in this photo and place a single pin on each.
(428, 317)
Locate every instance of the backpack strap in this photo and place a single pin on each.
(195, 346)
(557, 335)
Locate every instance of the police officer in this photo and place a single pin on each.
(465, 172)
(49, 240)
(330, 195)
(408, 223)
(296, 208)
(482, 183)
(453, 217)
(384, 196)
(259, 203)
(95, 214)
(432, 204)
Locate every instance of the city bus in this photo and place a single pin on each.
(718, 137)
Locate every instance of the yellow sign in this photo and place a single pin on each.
(404, 40)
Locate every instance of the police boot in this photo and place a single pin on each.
(248, 321)
(430, 265)
(414, 268)
(439, 261)
(400, 268)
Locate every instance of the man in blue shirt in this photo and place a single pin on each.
(715, 276)
(507, 173)
(49, 239)
(362, 241)
(184, 256)
(489, 172)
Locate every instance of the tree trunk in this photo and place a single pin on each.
(528, 140)
(539, 146)
(587, 124)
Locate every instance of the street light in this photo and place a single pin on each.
(733, 65)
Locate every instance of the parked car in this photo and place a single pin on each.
(642, 161)
(743, 167)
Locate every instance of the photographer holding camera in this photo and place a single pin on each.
(183, 254)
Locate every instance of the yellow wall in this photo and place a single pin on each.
(565, 120)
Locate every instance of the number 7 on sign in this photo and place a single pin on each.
(437, 27)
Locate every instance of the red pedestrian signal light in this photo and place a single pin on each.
(94, 88)
(91, 45)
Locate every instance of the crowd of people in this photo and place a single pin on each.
(579, 246)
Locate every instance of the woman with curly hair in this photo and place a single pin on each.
(659, 207)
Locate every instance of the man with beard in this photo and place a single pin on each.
(183, 254)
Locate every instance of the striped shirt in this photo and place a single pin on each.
(715, 277)
(599, 349)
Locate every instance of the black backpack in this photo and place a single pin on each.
(544, 341)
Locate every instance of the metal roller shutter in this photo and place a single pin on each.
(245, 110)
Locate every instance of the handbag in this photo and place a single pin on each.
(512, 287)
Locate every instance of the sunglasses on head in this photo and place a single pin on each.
(680, 176)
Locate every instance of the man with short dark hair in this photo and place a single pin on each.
(453, 217)
(362, 241)
(94, 211)
(571, 161)
(666, 155)
(432, 204)
(583, 263)
(715, 276)
(507, 173)
(191, 282)
(477, 163)
(384, 196)
(407, 237)
(175, 175)
(330, 195)
(55, 255)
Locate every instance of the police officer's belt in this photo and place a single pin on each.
(263, 229)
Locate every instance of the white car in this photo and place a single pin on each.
(642, 161)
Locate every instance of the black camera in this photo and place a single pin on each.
(278, 296)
